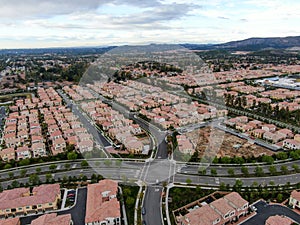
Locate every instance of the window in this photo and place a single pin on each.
(27, 207)
(50, 203)
(8, 210)
(39, 205)
(20, 208)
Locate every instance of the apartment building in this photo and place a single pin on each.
(22, 201)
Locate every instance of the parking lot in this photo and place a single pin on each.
(265, 210)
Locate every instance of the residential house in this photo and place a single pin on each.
(269, 127)
(205, 214)
(58, 146)
(278, 220)
(236, 201)
(10, 221)
(286, 132)
(294, 200)
(23, 152)
(53, 219)
(226, 211)
(102, 206)
(291, 144)
(8, 154)
(38, 149)
(273, 137)
(258, 133)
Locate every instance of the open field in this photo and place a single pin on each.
(10, 97)
(228, 144)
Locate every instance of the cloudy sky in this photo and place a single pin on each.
(59, 23)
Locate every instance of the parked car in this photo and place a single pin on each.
(143, 211)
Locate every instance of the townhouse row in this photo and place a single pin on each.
(221, 211)
(33, 124)
(117, 127)
(269, 132)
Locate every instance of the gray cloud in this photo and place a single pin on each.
(46, 8)
(152, 18)
(164, 12)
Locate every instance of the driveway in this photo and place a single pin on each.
(264, 211)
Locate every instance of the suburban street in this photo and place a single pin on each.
(152, 203)
(99, 138)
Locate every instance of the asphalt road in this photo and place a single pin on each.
(223, 170)
(212, 181)
(264, 211)
(2, 116)
(152, 205)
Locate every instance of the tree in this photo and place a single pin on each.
(222, 186)
(244, 170)
(7, 166)
(272, 170)
(15, 184)
(11, 175)
(24, 162)
(230, 171)
(34, 179)
(279, 197)
(84, 178)
(23, 172)
(238, 185)
(84, 163)
(52, 167)
(48, 177)
(258, 171)
(67, 166)
(268, 159)
(272, 183)
(295, 167)
(38, 170)
(284, 169)
(188, 181)
(72, 156)
(107, 162)
(225, 160)
(118, 162)
(202, 170)
(130, 201)
(65, 179)
(213, 172)
(281, 156)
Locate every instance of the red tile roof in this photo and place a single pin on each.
(101, 203)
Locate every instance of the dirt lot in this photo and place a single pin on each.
(214, 142)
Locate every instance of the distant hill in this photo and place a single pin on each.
(251, 44)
